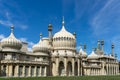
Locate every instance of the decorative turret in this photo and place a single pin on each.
(112, 49)
(11, 43)
(93, 56)
(84, 47)
(42, 46)
(98, 45)
(102, 43)
(82, 53)
(50, 33)
(74, 34)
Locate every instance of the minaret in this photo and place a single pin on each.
(63, 22)
(112, 49)
(50, 33)
(98, 45)
(40, 36)
(102, 43)
(84, 47)
(12, 29)
(74, 34)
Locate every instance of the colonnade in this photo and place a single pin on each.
(73, 72)
(112, 69)
(23, 70)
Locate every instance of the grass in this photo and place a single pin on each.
(68, 78)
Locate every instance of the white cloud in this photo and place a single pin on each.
(8, 17)
(30, 45)
(2, 36)
(107, 19)
(5, 23)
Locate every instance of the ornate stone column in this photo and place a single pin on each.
(45, 71)
(35, 71)
(65, 64)
(16, 70)
(23, 71)
(73, 64)
(29, 72)
(40, 70)
(57, 65)
(10, 70)
(78, 67)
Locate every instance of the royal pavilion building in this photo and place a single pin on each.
(55, 55)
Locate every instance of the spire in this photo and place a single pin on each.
(98, 45)
(85, 47)
(63, 23)
(40, 35)
(12, 28)
(112, 46)
(102, 43)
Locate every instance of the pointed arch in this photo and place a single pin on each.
(61, 69)
(76, 68)
(69, 69)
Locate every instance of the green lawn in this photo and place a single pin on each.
(67, 78)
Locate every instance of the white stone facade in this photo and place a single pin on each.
(54, 56)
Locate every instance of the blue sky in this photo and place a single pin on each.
(92, 20)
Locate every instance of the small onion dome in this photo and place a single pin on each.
(64, 39)
(11, 42)
(82, 53)
(93, 55)
(42, 46)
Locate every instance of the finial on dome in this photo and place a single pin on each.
(40, 35)
(12, 28)
(63, 21)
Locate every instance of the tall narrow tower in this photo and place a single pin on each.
(50, 33)
(102, 43)
(84, 47)
(112, 50)
(98, 45)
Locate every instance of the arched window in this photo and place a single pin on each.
(61, 68)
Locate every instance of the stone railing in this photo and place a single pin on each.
(25, 62)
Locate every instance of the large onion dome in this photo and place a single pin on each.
(11, 43)
(93, 55)
(82, 53)
(41, 46)
(64, 39)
